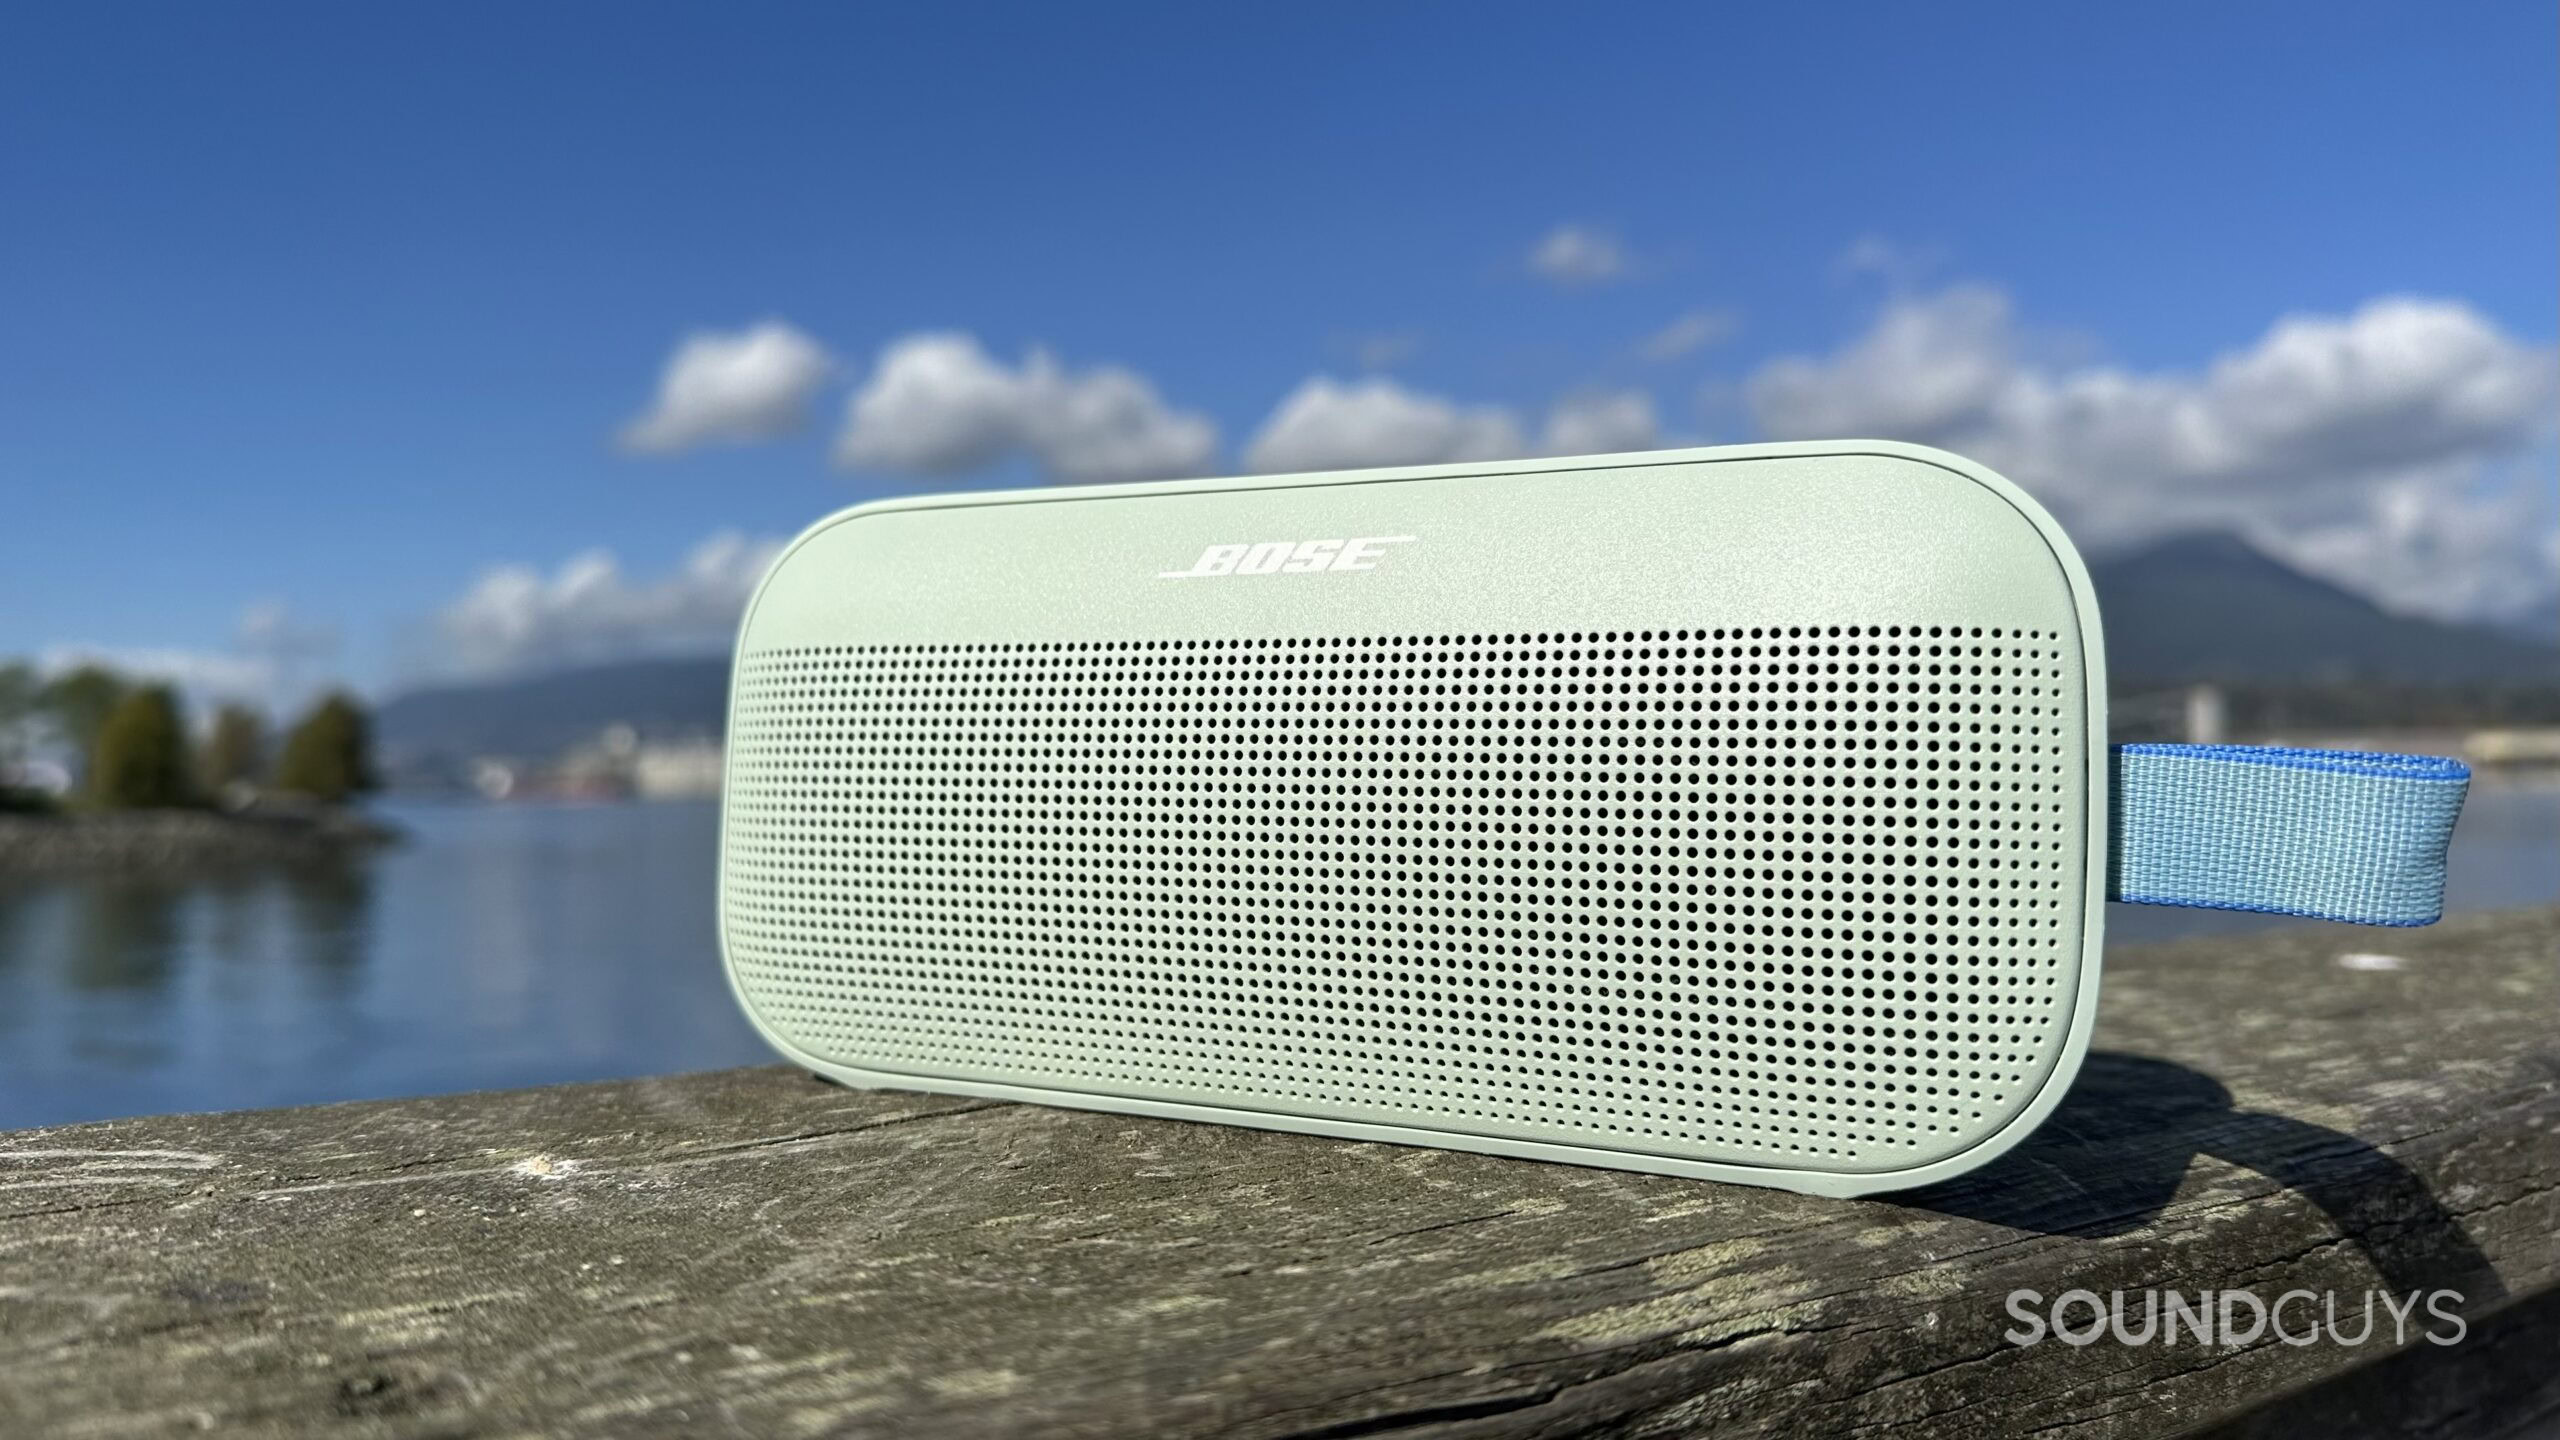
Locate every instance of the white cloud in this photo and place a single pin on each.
(937, 404)
(207, 676)
(272, 662)
(2366, 447)
(1578, 255)
(1897, 266)
(588, 611)
(1601, 422)
(2459, 542)
(755, 384)
(1691, 332)
(1329, 424)
(269, 630)
(1326, 424)
(1927, 366)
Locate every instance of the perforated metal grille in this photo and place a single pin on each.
(1780, 896)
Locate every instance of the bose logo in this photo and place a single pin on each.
(1287, 557)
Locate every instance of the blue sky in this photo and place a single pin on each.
(321, 315)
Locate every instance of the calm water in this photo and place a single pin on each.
(520, 945)
(502, 945)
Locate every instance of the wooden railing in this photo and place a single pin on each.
(755, 1253)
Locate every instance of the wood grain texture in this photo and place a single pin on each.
(755, 1253)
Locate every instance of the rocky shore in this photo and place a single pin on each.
(182, 839)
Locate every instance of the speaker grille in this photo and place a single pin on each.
(1781, 896)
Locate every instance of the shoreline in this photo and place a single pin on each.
(182, 840)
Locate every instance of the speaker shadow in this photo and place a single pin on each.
(2112, 1155)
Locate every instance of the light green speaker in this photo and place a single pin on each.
(1732, 813)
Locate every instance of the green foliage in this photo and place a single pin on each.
(18, 690)
(329, 756)
(140, 761)
(78, 702)
(18, 713)
(236, 752)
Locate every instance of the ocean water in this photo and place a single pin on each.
(500, 945)
(524, 945)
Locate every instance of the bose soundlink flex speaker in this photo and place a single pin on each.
(1735, 813)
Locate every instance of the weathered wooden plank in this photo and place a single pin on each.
(755, 1253)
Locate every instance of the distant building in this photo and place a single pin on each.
(685, 769)
(616, 763)
(598, 770)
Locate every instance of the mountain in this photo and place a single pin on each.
(544, 714)
(2195, 607)
(2212, 607)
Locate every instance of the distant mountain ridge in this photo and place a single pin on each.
(2211, 606)
(2192, 608)
(542, 715)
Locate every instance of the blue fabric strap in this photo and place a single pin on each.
(2329, 834)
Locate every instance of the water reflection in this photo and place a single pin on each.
(108, 981)
(498, 947)
(529, 945)
(124, 935)
(331, 919)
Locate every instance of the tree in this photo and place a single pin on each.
(78, 702)
(236, 752)
(140, 761)
(18, 691)
(329, 756)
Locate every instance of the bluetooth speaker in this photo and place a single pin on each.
(1733, 813)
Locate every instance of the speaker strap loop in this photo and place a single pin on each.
(2329, 834)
